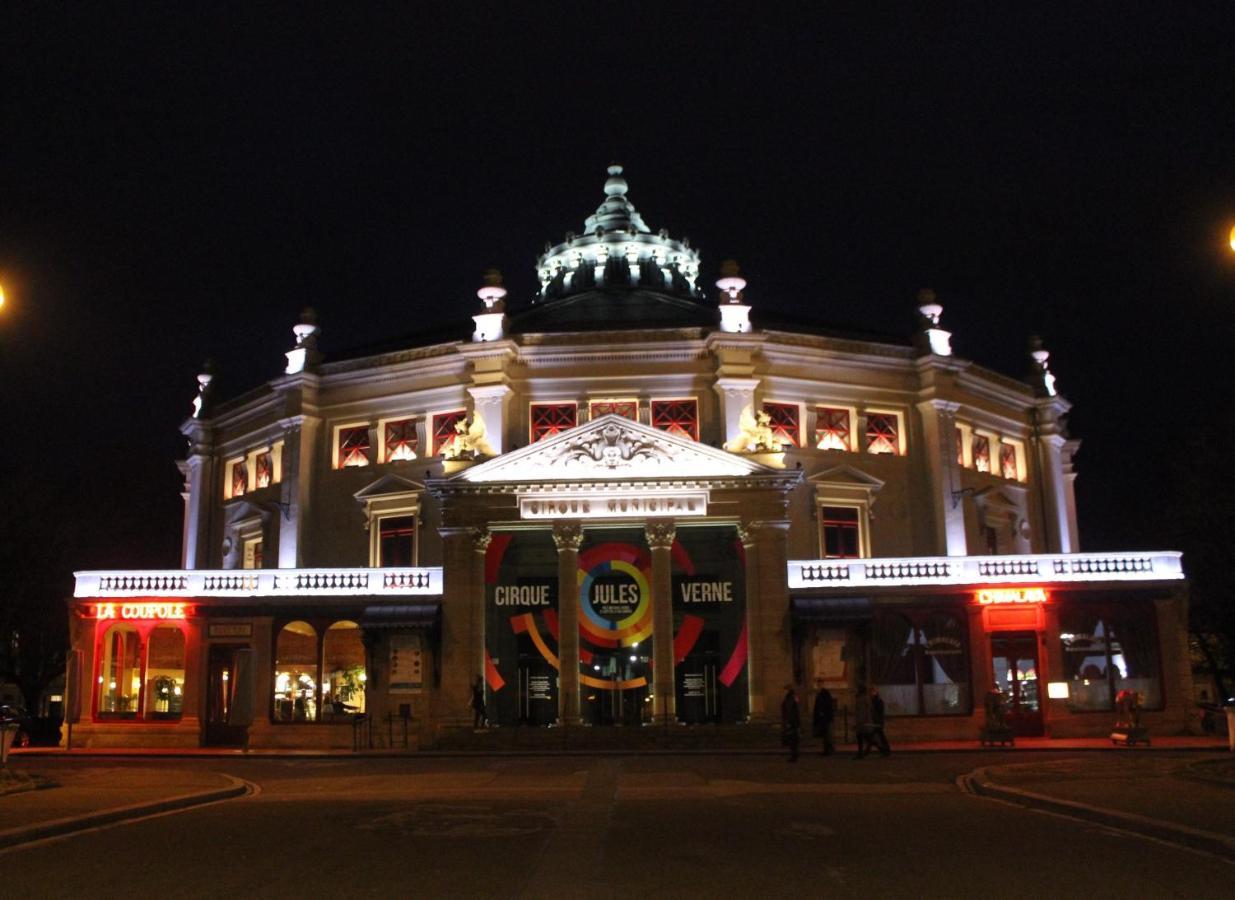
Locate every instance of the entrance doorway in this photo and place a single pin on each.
(1014, 660)
(698, 695)
(221, 680)
(627, 701)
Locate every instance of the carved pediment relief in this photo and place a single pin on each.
(613, 447)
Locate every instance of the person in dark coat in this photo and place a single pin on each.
(479, 717)
(877, 737)
(862, 721)
(790, 722)
(822, 717)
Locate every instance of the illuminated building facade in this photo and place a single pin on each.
(626, 503)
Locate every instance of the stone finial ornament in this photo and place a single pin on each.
(201, 402)
(491, 320)
(304, 356)
(1041, 376)
(932, 338)
(734, 310)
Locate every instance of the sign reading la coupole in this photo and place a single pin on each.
(989, 596)
(140, 611)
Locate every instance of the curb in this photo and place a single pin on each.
(976, 782)
(15, 837)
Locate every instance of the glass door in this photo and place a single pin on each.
(1014, 659)
(220, 697)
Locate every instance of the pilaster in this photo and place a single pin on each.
(462, 624)
(754, 638)
(300, 438)
(490, 402)
(939, 443)
(735, 395)
(660, 536)
(199, 481)
(568, 537)
(768, 616)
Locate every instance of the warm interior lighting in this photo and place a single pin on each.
(2, 286)
(1057, 690)
(1232, 239)
(988, 596)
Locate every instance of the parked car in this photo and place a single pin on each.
(15, 715)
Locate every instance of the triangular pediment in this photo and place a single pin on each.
(387, 486)
(846, 475)
(613, 447)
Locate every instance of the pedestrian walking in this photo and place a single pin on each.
(790, 722)
(862, 721)
(877, 737)
(822, 717)
(479, 717)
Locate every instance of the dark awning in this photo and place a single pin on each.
(403, 615)
(830, 609)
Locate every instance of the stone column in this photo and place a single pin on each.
(939, 453)
(771, 622)
(567, 537)
(735, 395)
(1069, 480)
(489, 401)
(459, 630)
(1051, 668)
(1177, 694)
(199, 482)
(660, 535)
(754, 637)
(299, 454)
(1054, 493)
(481, 538)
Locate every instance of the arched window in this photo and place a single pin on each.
(944, 665)
(1108, 648)
(894, 666)
(120, 669)
(295, 674)
(343, 671)
(164, 673)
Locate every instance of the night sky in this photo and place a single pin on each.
(177, 184)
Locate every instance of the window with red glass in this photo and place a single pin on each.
(831, 428)
(444, 428)
(840, 528)
(1007, 461)
(265, 469)
(882, 433)
(400, 440)
(680, 417)
(240, 478)
(783, 419)
(627, 409)
(548, 419)
(353, 446)
(981, 453)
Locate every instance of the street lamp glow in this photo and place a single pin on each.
(1232, 239)
(2, 286)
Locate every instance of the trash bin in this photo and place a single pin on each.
(1230, 727)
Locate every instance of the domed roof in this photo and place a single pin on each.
(618, 251)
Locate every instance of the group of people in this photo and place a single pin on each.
(868, 720)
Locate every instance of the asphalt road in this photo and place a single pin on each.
(672, 826)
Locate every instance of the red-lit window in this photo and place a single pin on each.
(960, 447)
(1007, 461)
(265, 469)
(841, 530)
(981, 453)
(444, 428)
(549, 419)
(680, 417)
(831, 428)
(400, 440)
(353, 446)
(628, 409)
(240, 478)
(882, 433)
(397, 541)
(783, 420)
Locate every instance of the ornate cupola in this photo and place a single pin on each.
(618, 250)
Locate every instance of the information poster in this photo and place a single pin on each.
(406, 664)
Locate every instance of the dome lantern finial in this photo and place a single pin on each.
(615, 184)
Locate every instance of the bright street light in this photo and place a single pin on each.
(1232, 248)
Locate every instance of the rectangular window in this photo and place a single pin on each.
(353, 446)
(627, 409)
(832, 428)
(883, 433)
(240, 478)
(1007, 461)
(680, 417)
(548, 419)
(784, 419)
(264, 466)
(981, 453)
(399, 440)
(841, 530)
(444, 428)
(396, 544)
(253, 553)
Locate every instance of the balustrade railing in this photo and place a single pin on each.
(1158, 565)
(260, 582)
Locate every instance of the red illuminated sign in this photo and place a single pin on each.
(138, 611)
(988, 596)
